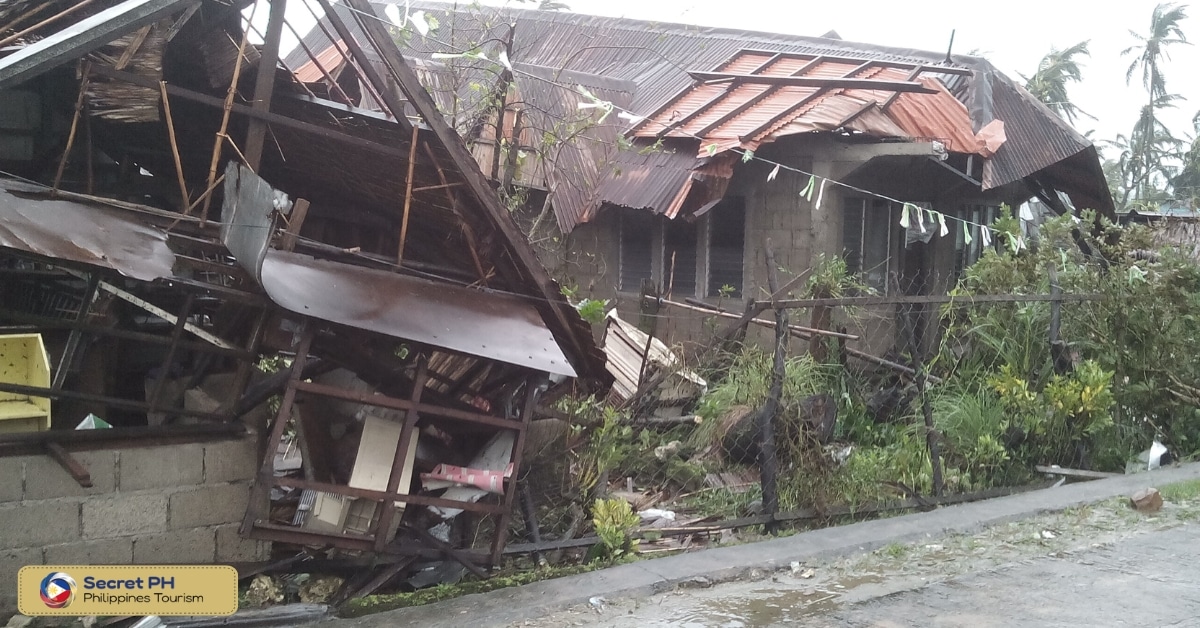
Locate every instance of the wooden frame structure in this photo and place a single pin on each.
(421, 219)
(256, 524)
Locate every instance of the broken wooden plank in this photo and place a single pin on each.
(295, 223)
(935, 299)
(795, 515)
(222, 132)
(1076, 473)
(70, 464)
(412, 164)
(163, 314)
(183, 189)
(699, 306)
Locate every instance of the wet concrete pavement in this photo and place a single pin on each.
(1096, 565)
(1151, 580)
(843, 572)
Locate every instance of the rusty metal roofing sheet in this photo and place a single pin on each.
(656, 56)
(485, 324)
(625, 348)
(744, 113)
(1032, 144)
(84, 233)
(650, 179)
(329, 59)
(550, 102)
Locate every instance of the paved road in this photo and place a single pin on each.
(1149, 580)
(1105, 566)
(870, 564)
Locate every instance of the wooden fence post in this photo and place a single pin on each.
(767, 460)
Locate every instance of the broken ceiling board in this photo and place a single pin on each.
(377, 451)
(83, 37)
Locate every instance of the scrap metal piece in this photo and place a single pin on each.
(247, 217)
(87, 234)
(490, 325)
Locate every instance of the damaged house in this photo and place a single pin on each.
(239, 311)
(705, 143)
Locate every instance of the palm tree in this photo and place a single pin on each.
(1145, 159)
(1150, 141)
(1186, 184)
(1055, 71)
(1165, 31)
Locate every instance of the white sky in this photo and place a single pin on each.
(1013, 35)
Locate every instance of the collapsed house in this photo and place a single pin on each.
(237, 311)
(1172, 225)
(660, 185)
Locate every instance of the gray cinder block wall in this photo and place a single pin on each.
(165, 504)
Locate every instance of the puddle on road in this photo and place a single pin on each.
(766, 606)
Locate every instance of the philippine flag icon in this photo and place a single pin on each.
(58, 589)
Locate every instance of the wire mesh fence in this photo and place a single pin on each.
(939, 389)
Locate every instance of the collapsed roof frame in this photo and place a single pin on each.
(1043, 154)
(434, 390)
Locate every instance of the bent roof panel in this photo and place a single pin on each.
(83, 233)
(490, 325)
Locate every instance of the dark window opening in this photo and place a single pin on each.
(637, 249)
(866, 241)
(679, 256)
(726, 247)
(966, 253)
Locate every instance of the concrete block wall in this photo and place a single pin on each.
(165, 504)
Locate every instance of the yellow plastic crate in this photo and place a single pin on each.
(23, 360)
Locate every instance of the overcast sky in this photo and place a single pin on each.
(1013, 35)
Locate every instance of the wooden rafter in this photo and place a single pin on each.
(815, 81)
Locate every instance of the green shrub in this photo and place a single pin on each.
(614, 521)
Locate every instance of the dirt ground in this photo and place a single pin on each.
(1103, 564)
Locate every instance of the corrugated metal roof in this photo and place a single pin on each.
(331, 59)
(1032, 144)
(658, 56)
(650, 179)
(625, 348)
(84, 233)
(745, 112)
(489, 325)
(549, 100)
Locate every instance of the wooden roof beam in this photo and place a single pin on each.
(848, 59)
(812, 81)
(266, 116)
(757, 98)
(912, 76)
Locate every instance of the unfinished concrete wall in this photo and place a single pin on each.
(148, 505)
(799, 231)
